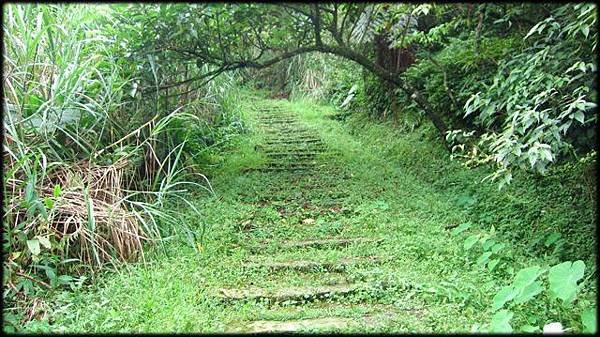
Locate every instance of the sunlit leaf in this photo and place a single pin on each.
(34, 246)
(588, 319)
(529, 292)
(470, 241)
(461, 228)
(563, 280)
(501, 322)
(505, 294)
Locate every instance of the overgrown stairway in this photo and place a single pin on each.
(295, 171)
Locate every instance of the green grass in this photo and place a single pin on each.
(398, 187)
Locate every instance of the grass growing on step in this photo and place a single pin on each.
(426, 281)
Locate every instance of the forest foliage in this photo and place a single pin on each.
(88, 159)
(511, 85)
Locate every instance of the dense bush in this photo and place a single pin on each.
(90, 153)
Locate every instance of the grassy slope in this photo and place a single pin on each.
(400, 188)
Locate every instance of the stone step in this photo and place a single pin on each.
(279, 169)
(310, 148)
(294, 141)
(310, 265)
(332, 200)
(313, 195)
(278, 115)
(285, 168)
(289, 167)
(292, 154)
(275, 114)
(291, 136)
(305, 161)
(292, 294)
(316, 243)
(284, 122)
(293, 126)
(273, 121)
(287, 130)
(276, 127)
(295, 147)
(328, 242)
(325, 323)
(321, 324)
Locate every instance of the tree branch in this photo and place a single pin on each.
(295, 9)
(316, 19)
(34, 280)
(478, 29)
(448, 90)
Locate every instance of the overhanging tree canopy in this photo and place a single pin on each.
(261, 35)
(525, 119)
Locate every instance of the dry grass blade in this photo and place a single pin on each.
(116, 232)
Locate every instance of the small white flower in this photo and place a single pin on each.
(555, 327)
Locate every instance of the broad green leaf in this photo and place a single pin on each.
(470, 241)
(51, 274)
(484, 258)
(492, 264)
(34, 246)
(529, 328)
(44, 241)
(588, 319)
(545, 153)
(552, 238)
(505, 294)
(488, 244)
(64, 279)
(497, 247)
(563, 280)
(585, 29)
(461, 228)
(526, 276)
(532, 156)
(579, 116)
(529, 292)
(501, 322)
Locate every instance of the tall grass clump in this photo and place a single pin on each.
(89, 161)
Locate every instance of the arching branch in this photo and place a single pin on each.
(317, 20)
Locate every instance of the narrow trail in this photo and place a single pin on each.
(297, 171)
(312, 229)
